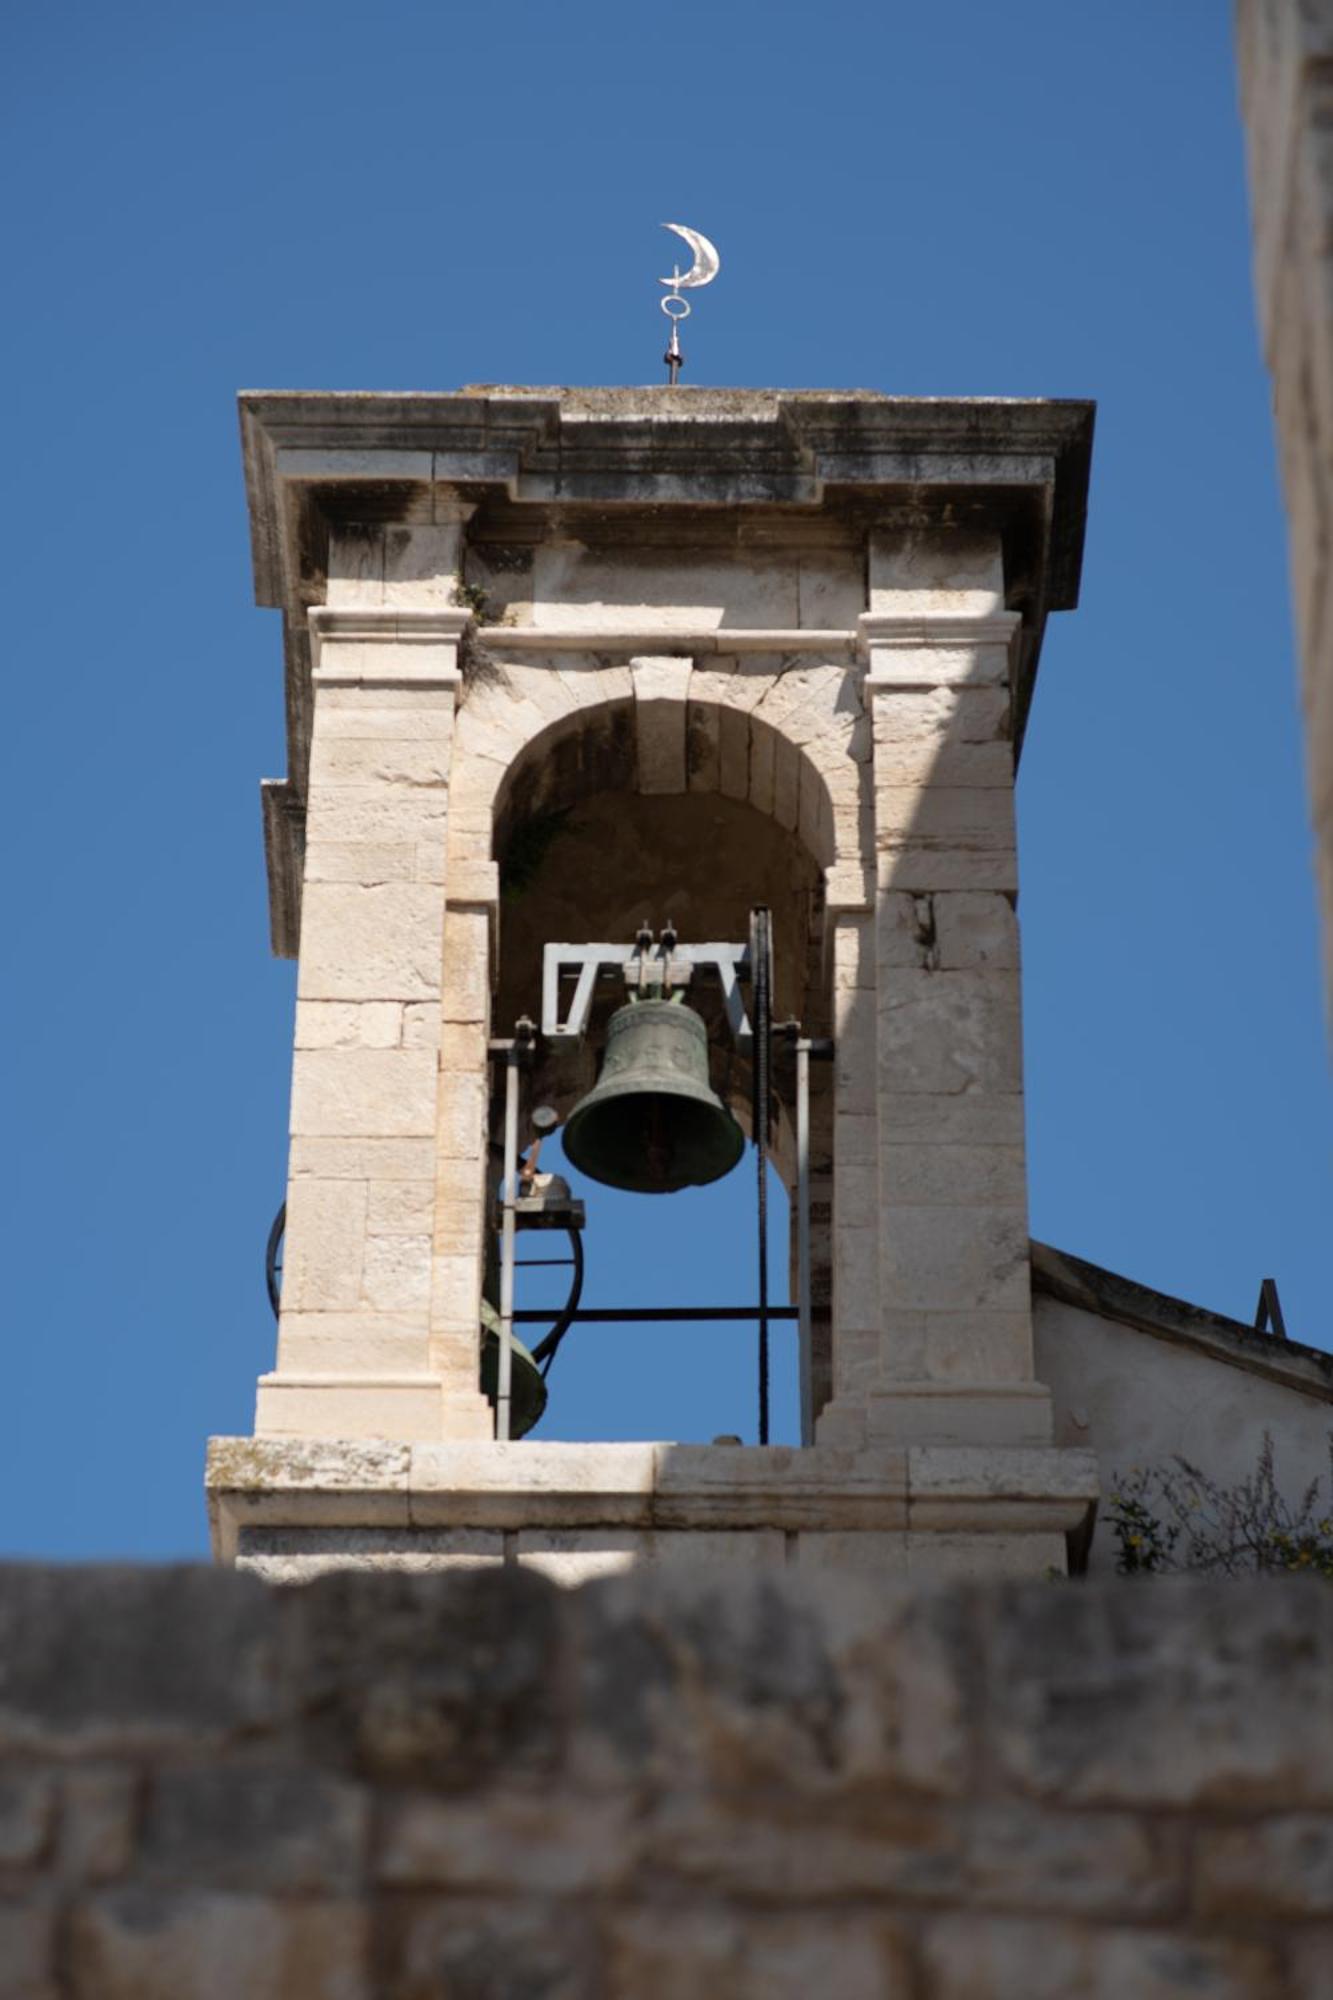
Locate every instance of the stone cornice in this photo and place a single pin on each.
(414, 647)
(292, 1482)
(667, 639)
(946, 629)
(692, 448)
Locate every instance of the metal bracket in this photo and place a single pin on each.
(664, 965)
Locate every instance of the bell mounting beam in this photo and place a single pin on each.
(663, 966)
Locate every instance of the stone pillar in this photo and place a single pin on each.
(355, 1355)
(954, 1362)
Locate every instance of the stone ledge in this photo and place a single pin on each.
(285, 1483)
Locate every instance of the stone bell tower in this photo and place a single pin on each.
(689, 653)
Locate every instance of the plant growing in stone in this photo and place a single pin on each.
(1175, 1517)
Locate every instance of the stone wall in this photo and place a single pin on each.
(657, 1789)
(1285, 50)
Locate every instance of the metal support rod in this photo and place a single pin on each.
(761, 964)
(509, 1196)
(646, 1315)
(803, 1293)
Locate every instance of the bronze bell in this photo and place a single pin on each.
(652, 1123)
(527, 1385)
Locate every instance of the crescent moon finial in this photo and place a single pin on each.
(706, 263)
(702, 271)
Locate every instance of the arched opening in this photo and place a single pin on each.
(584, 855)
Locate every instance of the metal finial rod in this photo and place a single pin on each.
(704, 269)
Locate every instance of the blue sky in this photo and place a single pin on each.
(1035, 199)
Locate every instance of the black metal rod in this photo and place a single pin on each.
(761, 957)
(645, 1315)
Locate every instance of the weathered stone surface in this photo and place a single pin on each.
(141, 1943)
(99, 1813)
(755, 1784)
(388, 1696)
(132, 1659)
(27, 1812)
(1191, 1670)
(966, 1956)
(275, 1831)
(28, 1949)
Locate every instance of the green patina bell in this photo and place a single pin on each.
(527, 1388)
(652, 1123)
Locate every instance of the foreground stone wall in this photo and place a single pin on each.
(485, 1788)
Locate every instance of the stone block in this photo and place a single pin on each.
(182, 1943)
(919, 761)
(922, 660)
(978, 1346)
(902, 937)
(550, 1483)
(467, 966)
(366, 1343)
(396, 1273)
(274, 1830)
(944, 1033)
(919, 574)
(348, 1024)
(28, 1949)
(1275, 1870)
(945, 1176)
(99, 1810)
(703, 747)
(120, 1662)
(573, 1556)
(489, 1948)
(461, 1133)
(552, 1845)
(421, 1024)
(953, 1260)
(363, 861)
(400, 1208)
(985, 1558)
(27, 1815)
(299, 1555)
(427, 717)
(965, 1955)
(1021, 1858)
(378, 815)
(324, 1245)
(1116, 1700)
(444, 1683)
(363, 1093)
(356, 566)
(421, 562)
(398, 760)
(868, 1552)
(977, 818)
(969, 1118)
(763, 762)
(919, 869)
(360, 1159)
(752, 1955)
(352, 1406)
(734, 754)
(856, 1287)
(975, 929)
(939, 719)
(991, 1414)
(830, 591)
(380, 943)
(661, 696)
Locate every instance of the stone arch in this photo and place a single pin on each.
(785, 739)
